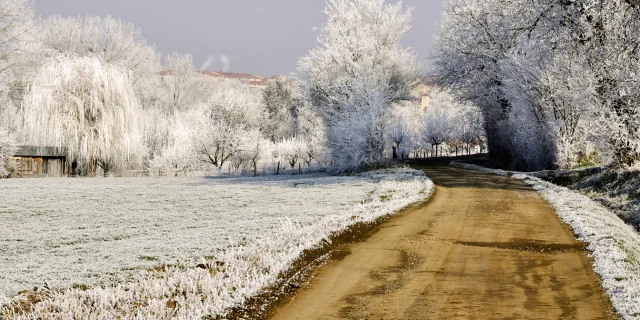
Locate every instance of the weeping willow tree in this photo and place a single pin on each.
(86, 107)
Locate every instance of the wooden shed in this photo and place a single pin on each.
(41, 162)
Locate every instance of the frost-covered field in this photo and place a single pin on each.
(614, 245)
(107, 233)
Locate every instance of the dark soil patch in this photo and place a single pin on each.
(529, 246)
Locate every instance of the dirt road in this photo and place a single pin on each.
(484, 247)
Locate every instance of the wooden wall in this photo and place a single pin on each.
(40, 166)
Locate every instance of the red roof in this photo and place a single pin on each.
(212, 74)
(250, 79)
(240, 75)
(256, 82)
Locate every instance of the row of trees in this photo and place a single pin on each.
(94, 87)
(238, 127)
(360, 80)
(446, 125)
(555, 80)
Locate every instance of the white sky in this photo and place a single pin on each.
(258, 36)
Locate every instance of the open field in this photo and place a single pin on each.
(104, 235)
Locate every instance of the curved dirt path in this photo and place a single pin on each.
(484, 247)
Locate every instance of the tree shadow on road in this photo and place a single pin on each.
(444, 175)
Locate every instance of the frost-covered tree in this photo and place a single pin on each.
(156, 131)
(169, 96)
(120, 44)
(283, 111)
(179, 151)
(405, 123)
(291, 150)
(289, 153)
(400, 135)
(19, 53)
(112, 41)
(16, 39)
(553, 79)
(183, 87)
(437, 127)
(313, 151)
(232, 110)
(117, 43)
(473, 39)
(356, 73)
(256, 149)
(602, 32)
(467, 127)
(7, 150)
(86, 107)
(439, 119)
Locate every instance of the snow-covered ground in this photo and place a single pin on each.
(614, 245)
(102, 235)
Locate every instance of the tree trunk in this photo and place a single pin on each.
(255, 168)
(92, 168)
(395, 154)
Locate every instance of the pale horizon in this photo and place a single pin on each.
(247, 37)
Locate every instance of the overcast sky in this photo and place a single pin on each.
(263, 37)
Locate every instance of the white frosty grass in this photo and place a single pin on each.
(615, 245)
(107, 232)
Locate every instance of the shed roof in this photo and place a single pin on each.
(36, 151)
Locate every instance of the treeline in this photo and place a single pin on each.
(557, 81)
(446, 127)
(95, 87)
(359, 79)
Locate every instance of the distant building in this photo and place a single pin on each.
(252, 80)
(421, 95)
(41, 162)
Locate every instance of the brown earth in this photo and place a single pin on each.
(484, 247)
